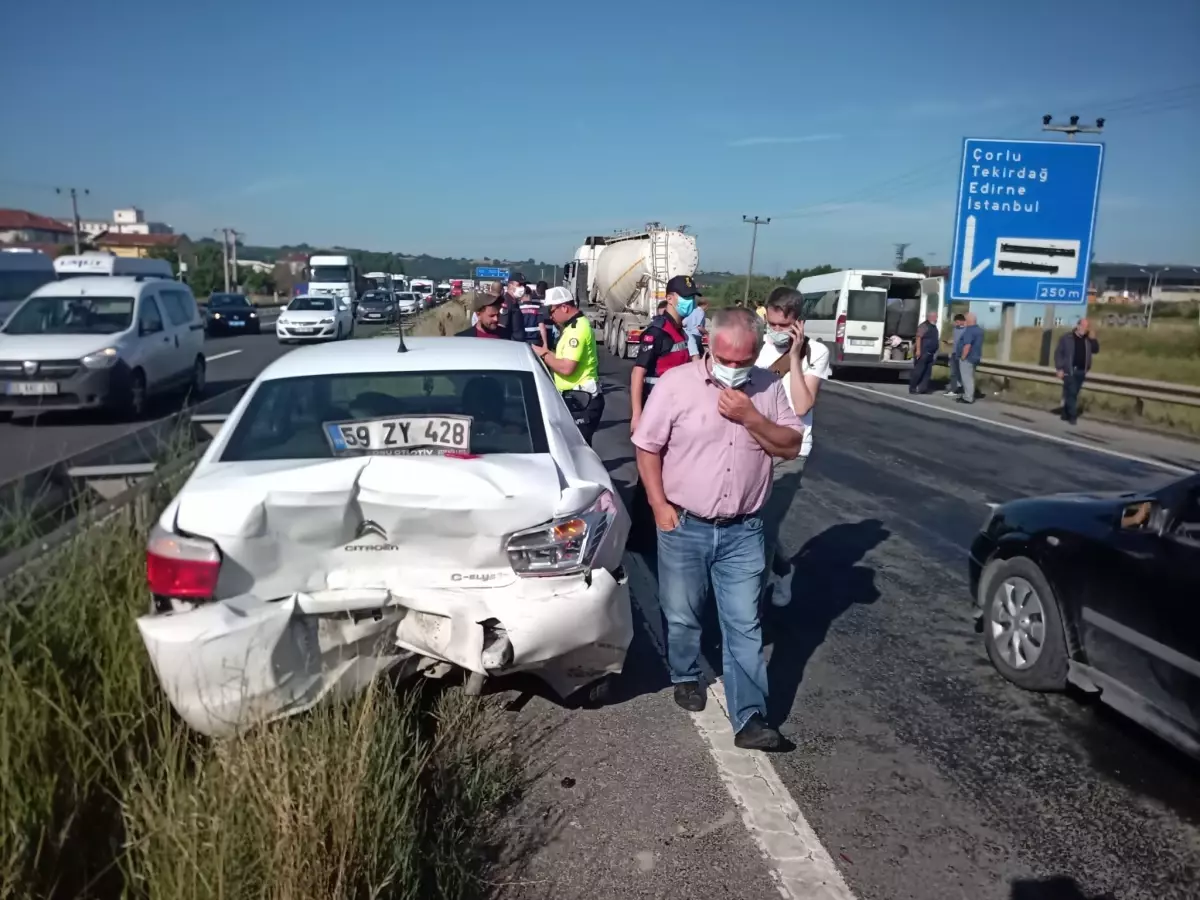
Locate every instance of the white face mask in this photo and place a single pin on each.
(780, 339)
(729, 376)
(518, 292)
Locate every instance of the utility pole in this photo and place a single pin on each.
(756, 221)
(900, 251)
(233, 253)
(1071, 129)
(74, 211)
(225, 256)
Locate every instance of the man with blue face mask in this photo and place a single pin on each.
(663, 345)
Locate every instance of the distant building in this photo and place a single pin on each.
(20, 227)
(124, 221)
(133, 245)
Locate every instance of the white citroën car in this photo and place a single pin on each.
(363, 508)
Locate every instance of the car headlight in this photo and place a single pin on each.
(325, 322)
(101, 359)
(216, 315)
(565, 546)
(254, 315)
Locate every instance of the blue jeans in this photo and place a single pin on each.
(733, 556)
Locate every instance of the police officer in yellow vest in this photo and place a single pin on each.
(574, 361)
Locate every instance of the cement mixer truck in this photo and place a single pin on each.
(620, 279)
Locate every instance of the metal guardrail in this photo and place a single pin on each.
(1138, 388)
(69, 491)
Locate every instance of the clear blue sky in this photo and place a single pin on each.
(392, 126)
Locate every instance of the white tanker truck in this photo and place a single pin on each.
(619, 280)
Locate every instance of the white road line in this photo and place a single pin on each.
(217, 356)
(1070, 442)
(800, 866)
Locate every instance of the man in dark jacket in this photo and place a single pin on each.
(1072, 362)
(924, 355)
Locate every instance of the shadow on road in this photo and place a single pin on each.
(828, 581)
(1059, 887)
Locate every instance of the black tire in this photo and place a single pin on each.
(199, 379)
(1048, 669)
(257, 329)
(599, 693)
(133, 403)
(5, 416)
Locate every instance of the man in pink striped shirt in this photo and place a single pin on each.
(704, 447)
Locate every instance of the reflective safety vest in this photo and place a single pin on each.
(578, 342)
(678, 355)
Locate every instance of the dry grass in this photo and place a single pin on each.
(106, 794)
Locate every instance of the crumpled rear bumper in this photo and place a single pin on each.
(243, 660)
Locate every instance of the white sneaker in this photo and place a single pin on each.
(781, 588)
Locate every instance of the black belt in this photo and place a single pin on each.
(716, 521)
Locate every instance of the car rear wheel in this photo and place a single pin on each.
(133, 404)
(1022, 626)
(199, 379)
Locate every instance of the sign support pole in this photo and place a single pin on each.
(1008, 322)
(1048, 314)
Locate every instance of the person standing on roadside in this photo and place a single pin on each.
(954, 388)
(693, 326)
(927, 344)
(486, 318)
(575, 363)
(704, 446)
(663, 345)
(802, 364)
(1072, 362)
(970, 352)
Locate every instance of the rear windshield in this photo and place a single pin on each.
(866, 306)
(390, 413)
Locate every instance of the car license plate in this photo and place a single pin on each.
(401, 434)
(304, 330)
(374, 316)
(862, 342)
(236, 323)
(31, 388)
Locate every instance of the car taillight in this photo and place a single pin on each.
(841, 329)
(633, 336)
(181, 566)
(565, 546)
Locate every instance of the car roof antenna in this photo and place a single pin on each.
(399, 319)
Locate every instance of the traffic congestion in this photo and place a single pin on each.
(419, 468)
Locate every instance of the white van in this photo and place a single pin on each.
(21, 273)
(101, 342)
(867, 317)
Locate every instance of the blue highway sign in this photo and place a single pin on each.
(1026, 221)
(491, 273)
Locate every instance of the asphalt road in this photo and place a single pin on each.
(924, 774)
(27, 444)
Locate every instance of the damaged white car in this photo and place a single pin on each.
(363, 509)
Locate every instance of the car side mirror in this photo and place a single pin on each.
(1142, 516)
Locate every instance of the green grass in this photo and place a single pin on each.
(106, 794)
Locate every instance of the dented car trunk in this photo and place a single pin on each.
(333, 571)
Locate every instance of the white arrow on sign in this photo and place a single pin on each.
(968, 254)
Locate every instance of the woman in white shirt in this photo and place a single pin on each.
(802, 364)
